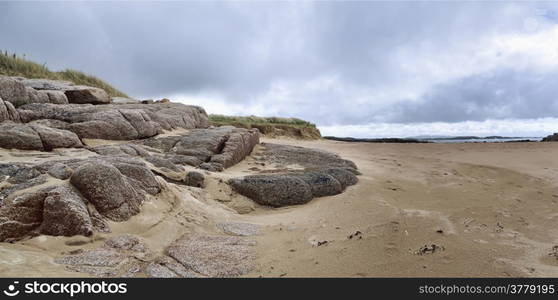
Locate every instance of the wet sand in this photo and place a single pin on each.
(488, 209)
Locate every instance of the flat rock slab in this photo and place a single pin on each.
(191, 256)
(93, 258)
(116, 257)
(240, 229)
(167, 267)
(214, 256)
(308, 158)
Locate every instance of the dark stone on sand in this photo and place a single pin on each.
(273, 190)
(194, 179)
(324, 174)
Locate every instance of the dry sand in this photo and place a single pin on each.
(490, 209)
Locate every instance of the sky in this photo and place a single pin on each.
(361, 69)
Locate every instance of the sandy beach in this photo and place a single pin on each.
(428, 210)
(490, 209)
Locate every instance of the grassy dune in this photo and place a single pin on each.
(12, 65)
(271, 126)
(254, 120)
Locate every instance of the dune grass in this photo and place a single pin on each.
(254, 120)
(13, 65)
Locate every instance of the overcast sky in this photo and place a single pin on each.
(366, 69)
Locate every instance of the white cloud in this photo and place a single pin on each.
(522, 128)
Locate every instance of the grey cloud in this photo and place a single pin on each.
(506, 94)
(240, 49)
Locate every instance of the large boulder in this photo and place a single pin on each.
(139, 176)
(13, 91)
(108, 190)
(293, 188)
(57, 138)
(212, 149)
(36, 137)
(87, 95)
(20, 91)
(273, 190)
(318, 173)
(65, 214)
(238, 145)
(19, 136)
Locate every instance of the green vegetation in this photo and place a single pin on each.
(253, 120)
(271, 126)
(12, 65)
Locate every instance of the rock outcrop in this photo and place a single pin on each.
(36, 137)
(115, 186)
(19, 136)
(87, 112)
(551, 138)
(87, 95)
(214, 148)
(117, 121)
(322, 174)
(105, 187)
(13, 91)
(64, 125)
(80, 192)
(21, 91)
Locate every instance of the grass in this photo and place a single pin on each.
(254, 120)
(12, 65)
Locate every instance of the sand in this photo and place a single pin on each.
(488, 209)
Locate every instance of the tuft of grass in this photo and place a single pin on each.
(13, 65)
(254, 120)
(81, 78)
